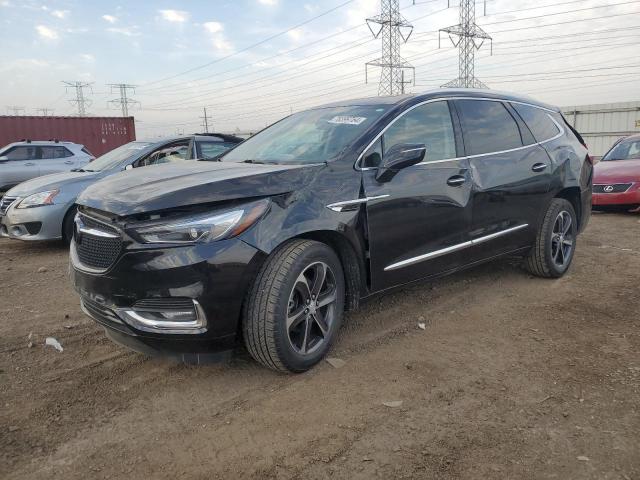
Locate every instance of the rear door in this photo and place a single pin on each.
(510, 174)
(55, 158)
(417, 221)
(21, 164)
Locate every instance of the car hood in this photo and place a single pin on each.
(55, 181)
(617, 171)
(191, 183)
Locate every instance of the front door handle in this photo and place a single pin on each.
(69, 162)
(29, 164)
(539, 167)
(456, 181)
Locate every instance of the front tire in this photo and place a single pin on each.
(555, 244)
(295, 306)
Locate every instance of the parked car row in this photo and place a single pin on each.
(327, 207)
(20, 217)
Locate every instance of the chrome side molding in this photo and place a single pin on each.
(453, 248)
(344, 206)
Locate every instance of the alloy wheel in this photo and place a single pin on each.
(312, 308)
(562, 240)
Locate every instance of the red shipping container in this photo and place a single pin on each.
(98, 134)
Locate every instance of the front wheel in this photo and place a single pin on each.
(555, 242)
(294, 308)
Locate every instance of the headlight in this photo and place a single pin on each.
(38, 199)
(204, 227)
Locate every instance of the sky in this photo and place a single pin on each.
(251, 62)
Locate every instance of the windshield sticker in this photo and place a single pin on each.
(347, 120)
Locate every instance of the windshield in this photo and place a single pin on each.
(115, 157)
(307, 137)
(625, 150)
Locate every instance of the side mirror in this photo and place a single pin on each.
(4, 159)
(129, 167)
(400, 156)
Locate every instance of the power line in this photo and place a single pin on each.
(81, 102)
(123, 101)
(261, 42)
(467, 33)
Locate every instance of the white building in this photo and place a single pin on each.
(601, 125)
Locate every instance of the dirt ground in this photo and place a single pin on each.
(513, 377)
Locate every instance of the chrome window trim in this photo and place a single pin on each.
(337, 207)
(451, 249)
(357, 167)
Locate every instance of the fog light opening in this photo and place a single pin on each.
(167, 321)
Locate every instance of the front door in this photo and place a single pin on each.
(21, 164)
(418, 221)
(511, 177)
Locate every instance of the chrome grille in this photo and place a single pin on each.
(5, 203)
(94, 250)
(611, 187)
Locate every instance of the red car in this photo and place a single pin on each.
(616, 181)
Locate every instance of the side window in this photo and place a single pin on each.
(429, 124)
(538, 121)
(488, 127)
(373, 157)
(209, 150)
(22, 153)
(173, 153)
(54, 152)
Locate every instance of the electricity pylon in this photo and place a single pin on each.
(394, 30)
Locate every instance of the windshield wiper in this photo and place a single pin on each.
(77, 170)
(257, 162)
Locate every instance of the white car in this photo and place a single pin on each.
(22, 161)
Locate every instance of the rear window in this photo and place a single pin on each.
(538, 121)
(488, 127)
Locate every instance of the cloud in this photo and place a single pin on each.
(218, 39)
(62, 14)
(213, 27)
(46, 32)
(310, 8)
(87, 57)
(127, 32)
(5, 3)
(109, 18)
(270, 3)
(178, 16)
(295, 34)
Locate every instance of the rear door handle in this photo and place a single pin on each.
(69, 162)
(456, 181)
(539, 167)
(29, 164)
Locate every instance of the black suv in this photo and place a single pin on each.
(320, 210)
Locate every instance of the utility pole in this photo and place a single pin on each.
(470, 38)
(44, 111)
(81, 102)
(15, 110)
(394, 30)
(205, 120)
(124, 101)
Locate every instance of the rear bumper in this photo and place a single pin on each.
(33, 224)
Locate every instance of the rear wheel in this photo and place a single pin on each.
(295, 307)
(555, 242)
(67, 224)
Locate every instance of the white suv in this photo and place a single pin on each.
(22, 161)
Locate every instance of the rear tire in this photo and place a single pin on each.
(67, 225)
(295, 306)
(555, 244)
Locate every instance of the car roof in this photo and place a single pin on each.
(45, 142)
(221, 137)
(441, 92)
